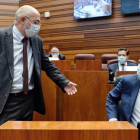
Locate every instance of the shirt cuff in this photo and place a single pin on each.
(113, 119)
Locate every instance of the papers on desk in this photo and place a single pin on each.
(131, 68)
(52, 58)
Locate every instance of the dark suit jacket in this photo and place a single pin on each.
(126, 91)
(61, 56)
(113, 68)
(41, 62)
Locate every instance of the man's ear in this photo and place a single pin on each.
(22, 19)
(127, 56)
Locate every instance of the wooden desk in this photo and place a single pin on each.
(111, 86)
(119, 73)
(88, 104)
(88, 65)
(68, 131)
(50, 93)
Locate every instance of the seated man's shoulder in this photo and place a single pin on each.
(61, 56)
(112, 65)
(131, 64)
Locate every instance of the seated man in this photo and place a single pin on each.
(123, 55)
(128, 91)
(55, 54)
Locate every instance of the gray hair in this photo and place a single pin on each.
(25, 10)
(54, 48)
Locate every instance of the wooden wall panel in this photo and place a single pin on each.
(97, 36)
(7, 12)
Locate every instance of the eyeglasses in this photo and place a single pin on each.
(36, 22)
(55, 52)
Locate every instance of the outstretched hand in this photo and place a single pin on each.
(70, 88)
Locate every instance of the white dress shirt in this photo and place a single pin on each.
(135, 118)
(17, 85)
(120, 66)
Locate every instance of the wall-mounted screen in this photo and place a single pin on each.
(130, 6)
(92, 8)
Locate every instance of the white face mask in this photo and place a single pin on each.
(33, 30)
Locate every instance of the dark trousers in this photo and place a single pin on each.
(18, 107)
(138, 134)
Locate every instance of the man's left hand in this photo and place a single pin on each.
(70, 88)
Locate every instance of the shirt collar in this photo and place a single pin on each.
(19, 36)
(125, 64)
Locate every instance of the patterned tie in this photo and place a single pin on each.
(25, 66)
(122, 67)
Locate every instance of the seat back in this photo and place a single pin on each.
(84, 57)
(116, 61)
(106, 57)
(139, 61)
(132, 61)
(112, 61)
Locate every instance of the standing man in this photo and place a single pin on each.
(55, 54)
(22, 58)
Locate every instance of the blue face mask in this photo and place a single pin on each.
(54, 54)
(122, 59)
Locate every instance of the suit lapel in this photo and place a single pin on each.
(9, 49)
(34, 45)
(134, 93)
(34, 48)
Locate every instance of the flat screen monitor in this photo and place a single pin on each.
(92, 8)
(130, 6)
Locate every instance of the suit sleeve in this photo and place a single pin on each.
(52, 71)
(64, 57)
(61, 57)
(113, 98)
(134, 64)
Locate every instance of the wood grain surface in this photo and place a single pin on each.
(88, 104)
(68, 131)
(97, 36)
(51, 97)
(88, 65)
